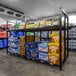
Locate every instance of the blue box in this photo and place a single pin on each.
(20, 34)
(28, 54)
(13, 33)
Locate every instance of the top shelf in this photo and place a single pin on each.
(45, 28)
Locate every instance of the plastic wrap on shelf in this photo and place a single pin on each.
(14, 45)
(32, 50)
(44, 34)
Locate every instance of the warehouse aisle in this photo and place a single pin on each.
(15, 66)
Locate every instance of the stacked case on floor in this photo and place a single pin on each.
(43, 51)
(53, 49)
(14, 44)
(22, 45)
(32, 50)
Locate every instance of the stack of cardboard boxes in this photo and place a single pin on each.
(53, 49)
(22, 45)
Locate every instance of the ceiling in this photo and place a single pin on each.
(41, 8)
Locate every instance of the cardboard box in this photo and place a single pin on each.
(43, 47)
(53, 48)
(43, 56)
(30, 38)
(55, 37)
(22, 52)
(53, 58)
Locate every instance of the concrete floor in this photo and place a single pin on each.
(14, 66)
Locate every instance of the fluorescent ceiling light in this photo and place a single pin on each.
(14, 21)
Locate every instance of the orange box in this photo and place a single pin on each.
(53, 48)
(22, 52)
(22, 47)
(55, 37)
(22, 39)
(53, 58)
(30, 38)
(22, 42)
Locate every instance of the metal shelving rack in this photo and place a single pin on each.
(59, 28)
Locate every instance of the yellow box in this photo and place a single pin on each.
(53, 48)
(56, 36)
(53, 58)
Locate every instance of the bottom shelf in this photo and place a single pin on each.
(35, 60)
